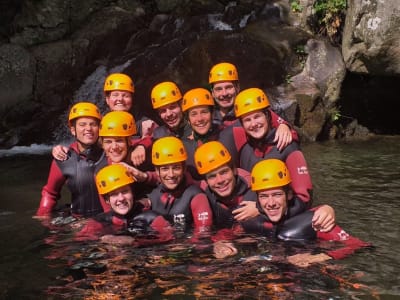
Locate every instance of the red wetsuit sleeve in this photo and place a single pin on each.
(146, 142)
(51, 191)
(164, 228)
(152, 178)
(276, 120)
(201, 212)
(350, 243)
(91, 231)
(301, 179)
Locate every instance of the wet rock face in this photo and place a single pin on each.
(371, 42)
(50, 49)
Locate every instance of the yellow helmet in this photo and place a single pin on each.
(223, 72)
(112, 177)
(120, 82)
(168, 150)
(117, 123)
(196, 97)
(165, 93)
(269, 174)
(250, 100)
(83, 109)
(211, 156)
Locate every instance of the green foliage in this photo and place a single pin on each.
(295, 6)
(328, 17)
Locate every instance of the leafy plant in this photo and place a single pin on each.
(328, 18)
(295, 6)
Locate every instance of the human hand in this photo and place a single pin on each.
(324, 218)
(224, 249)
(304, 260)
(138, 155)
(59, 152)
(117, 239)
(246, 211)
(148, 127)
(138, 175)
(283, 136)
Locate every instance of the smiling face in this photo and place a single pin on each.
(171, 115)
(274, 203)
(86, 131)
(121, 200)
(116, 148)
(222, 180)
(200, 119)
(255, 124)
(119, 100)
(224, 94)
(171, 175)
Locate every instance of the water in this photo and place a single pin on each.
(360, 179)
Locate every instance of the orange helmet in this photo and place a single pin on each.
(83, 109)
(196, 97)
(112, 177)
(117, 123)
(269, 174)
(223, 72)
(120, 82)
(211, 156)
(168, 150)
(250, 100)
(165, 93)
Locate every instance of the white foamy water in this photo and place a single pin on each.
(32, 149)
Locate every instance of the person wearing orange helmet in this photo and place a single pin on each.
(255, 141)
(176, 197)
(166, 99)
(271, 180)
(226, 187)
(114, 183)
(118, 91)
(224, 81)
(116, 131)
(83, 156)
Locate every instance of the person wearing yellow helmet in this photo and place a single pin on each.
(176, 197)
(224, 81)
(83, 157)
(166, 99)
(118, 90)
(198, 106)
(255, 141)
(227, 187)
(271, 180)
(115, 184)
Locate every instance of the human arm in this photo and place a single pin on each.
(324, 218)
(304, 260)
(51, 191)
(148, 127)
(301, 179)
(60, 152)
(201, 212)
(246, 210)
(285, 134)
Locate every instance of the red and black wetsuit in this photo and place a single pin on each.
(78, 173)
(246, 152)
(223, 207)
(135, 222)
(299, 228)
(187, 205)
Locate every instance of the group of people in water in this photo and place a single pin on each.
(221, 161)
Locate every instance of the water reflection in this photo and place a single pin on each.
(361, 180)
